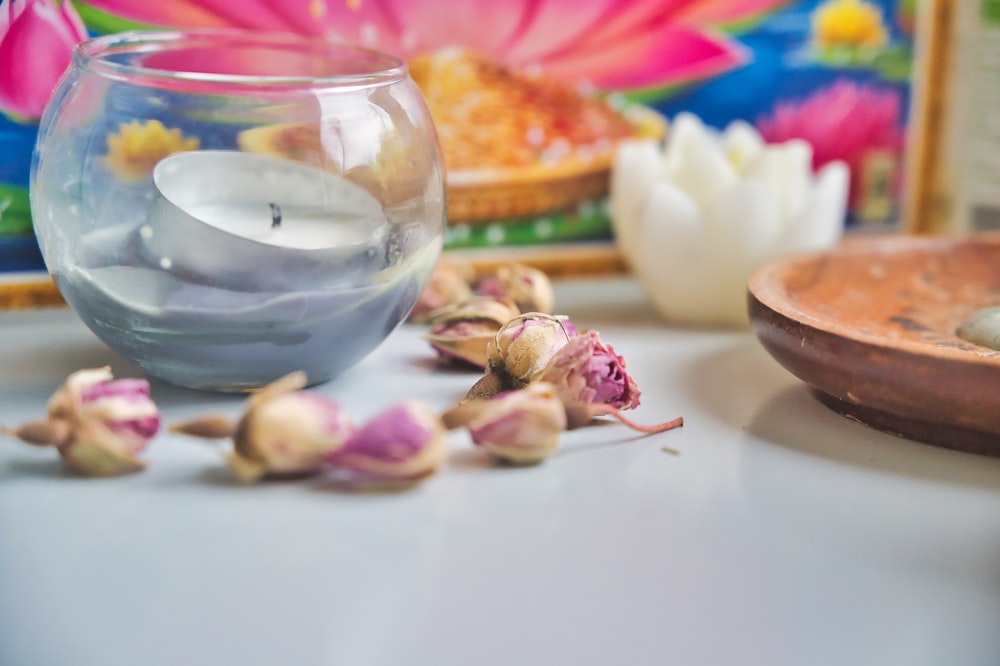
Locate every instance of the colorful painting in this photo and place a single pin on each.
(835, 72)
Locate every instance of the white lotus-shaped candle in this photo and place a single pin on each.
(693, 219)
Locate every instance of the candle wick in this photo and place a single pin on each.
(275, 215)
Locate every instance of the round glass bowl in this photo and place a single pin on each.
(224, 207)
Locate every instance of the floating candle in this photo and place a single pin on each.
(261, 220)
(248, 267)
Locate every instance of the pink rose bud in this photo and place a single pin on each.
(448, 286)
(588, 371)
(402, 444)
(520, 427)
(528, 287)
(462, 342)
(99, 425)
(520, 352)
(463, 334)
(283, 431)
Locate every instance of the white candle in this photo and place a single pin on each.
(300, 228)
(268, 221)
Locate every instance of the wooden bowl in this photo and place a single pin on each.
(870, 327)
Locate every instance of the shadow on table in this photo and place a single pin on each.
(731, 382)
(795, 420)
(51, 468)
(745, 389)
(818, 480)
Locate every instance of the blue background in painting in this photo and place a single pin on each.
(781, 67)
(16, 144)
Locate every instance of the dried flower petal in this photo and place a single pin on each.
(520, 427)
(124, 407)
(588, 371)
(521, 351)
(449, 285)
(96, 450)
(99, 425)
(528, 287)
(65, 402)
(283, 431)
(404, 443)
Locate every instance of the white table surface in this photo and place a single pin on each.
(783, 534)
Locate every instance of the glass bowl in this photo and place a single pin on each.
(224, 207)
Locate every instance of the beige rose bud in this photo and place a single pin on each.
(520, 352)
(99, 425)
(528, 287)
(464, 333)
(520, 427)
(283, 431)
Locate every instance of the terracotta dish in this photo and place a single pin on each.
(871, 327)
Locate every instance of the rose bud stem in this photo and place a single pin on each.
(490, 385)
(207, 427)
(580, 415)
(48, 432)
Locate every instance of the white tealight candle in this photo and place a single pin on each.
(284, 226)
(268, 221)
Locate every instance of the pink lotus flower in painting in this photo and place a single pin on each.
(36, 40)
(845, 121)
(611, 44)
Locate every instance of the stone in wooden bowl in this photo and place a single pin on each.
(872, 326)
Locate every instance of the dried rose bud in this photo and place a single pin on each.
(99, 425)
(449, 285)
(462, 342)
(528, 287)
(464, 333)
(520, 352)
(588, 371)
(283, 431)
(404, 443)
(520, 427)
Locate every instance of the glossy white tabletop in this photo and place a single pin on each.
(782, 533)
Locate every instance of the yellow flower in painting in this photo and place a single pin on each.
(851, 23)
(138, 146)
